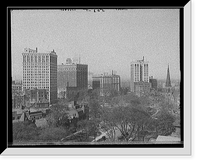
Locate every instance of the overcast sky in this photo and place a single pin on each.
(105, 41)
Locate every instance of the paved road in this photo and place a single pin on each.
(80, 131)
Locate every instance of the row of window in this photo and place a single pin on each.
(35, 71)
(25, 70)
(35, 64)
(39, 87)
(35, 58)
(35, 77)
(38, 83)
(36, 68)
(67, 69)
(35, 80)
(36, 74)
(32, 84)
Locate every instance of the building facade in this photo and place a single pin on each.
(154, 83)
(96, 83)
(16, 87)
(139, 72)
(40, 72)
(72, 76)
(16, 95)
(141, 88)
(106, 83)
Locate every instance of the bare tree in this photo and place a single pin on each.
(128, 120)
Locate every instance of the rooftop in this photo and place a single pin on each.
(167, 139)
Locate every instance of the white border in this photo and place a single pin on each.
(186, 151)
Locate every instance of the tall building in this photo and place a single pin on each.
(106, 83)
(40, 72)
(72, 76)
(140, 76)
(154, 83)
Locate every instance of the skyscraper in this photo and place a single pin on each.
(139, 73)
(40, 72)
(72, 76)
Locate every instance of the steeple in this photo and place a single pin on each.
(168, 81)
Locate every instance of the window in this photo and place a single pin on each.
(43, 59)
(39, 58)
(28, 59)
(35, 59)
(31, 58)
(24, 59)
(47, 58)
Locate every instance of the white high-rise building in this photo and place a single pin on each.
(139, 72)
(40, 71)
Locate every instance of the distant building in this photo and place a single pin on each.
(16, 87)
(17, 101)
(96, 83)
(16, 95)
(168, 85)
(140, 77)
(153, 82)
(139, 72)
(141, 88)
(40, 71)
(72, 77)
(106, 83)
(38, 95)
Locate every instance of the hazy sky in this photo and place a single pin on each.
(105, 41)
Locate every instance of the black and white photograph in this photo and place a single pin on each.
(97, 77)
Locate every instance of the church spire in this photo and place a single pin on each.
(168, 81)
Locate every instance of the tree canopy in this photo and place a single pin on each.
(128, 120)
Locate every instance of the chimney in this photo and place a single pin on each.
(143, 58)
(36, 49)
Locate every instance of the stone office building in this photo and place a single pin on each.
(40, 72)
(72, 77)
(140, 77)
(106, 83)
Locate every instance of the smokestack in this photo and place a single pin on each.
(36, 49)
(143, 58)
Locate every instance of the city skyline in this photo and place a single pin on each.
(105, 41)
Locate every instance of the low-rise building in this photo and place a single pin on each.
(141, 88)
(106, 83)
(16, 87)
(17, 98)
